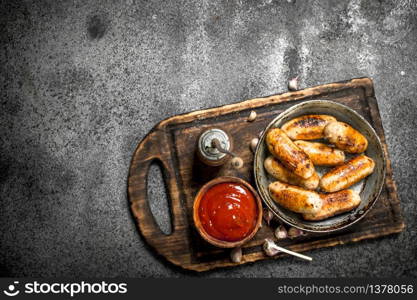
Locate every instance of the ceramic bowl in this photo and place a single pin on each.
(198, 225)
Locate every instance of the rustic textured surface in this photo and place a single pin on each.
(82, 84)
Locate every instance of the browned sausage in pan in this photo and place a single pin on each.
(279, 172)
(334, 204)
(346, 138)
(343, 176)
(321, 154)
(295, 198)
(289, 154)
(308, 127)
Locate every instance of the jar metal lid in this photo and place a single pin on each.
(205, 145)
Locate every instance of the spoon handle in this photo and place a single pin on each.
(216, 144)
(294, 253)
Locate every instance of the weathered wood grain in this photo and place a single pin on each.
(172, 143)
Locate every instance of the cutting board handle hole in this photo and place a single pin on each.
(157, 197)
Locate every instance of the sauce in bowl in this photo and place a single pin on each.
(228, 211)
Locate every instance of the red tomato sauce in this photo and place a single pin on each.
(228, 211)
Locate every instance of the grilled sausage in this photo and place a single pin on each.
(349, 173)
(321, 154)
(295, 198)
(292, 157)
(334, 204)
(278, 171)
(308, 127)
(344, 137)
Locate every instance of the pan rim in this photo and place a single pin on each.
(331, 227)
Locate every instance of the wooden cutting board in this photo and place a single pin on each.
(172, 142)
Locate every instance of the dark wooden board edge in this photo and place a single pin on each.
(159, 135)
(365, 83)
(389, 180)
(307, 246)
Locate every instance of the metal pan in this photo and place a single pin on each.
(369, 188)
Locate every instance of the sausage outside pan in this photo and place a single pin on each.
(334, 204)
(289, 154)
(321, 154)
(279, 172)
(344, 176)
(345, 138)
(295, 198)
(308, 127)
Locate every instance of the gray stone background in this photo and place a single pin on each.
(82, 82)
